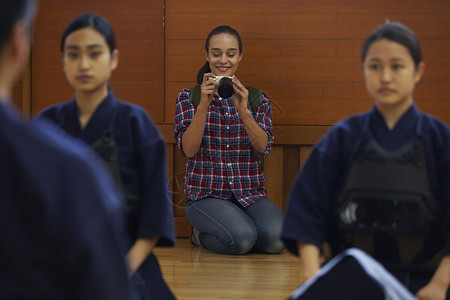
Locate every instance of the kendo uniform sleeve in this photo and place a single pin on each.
(91, 213)
(156, 216)
(61, 218)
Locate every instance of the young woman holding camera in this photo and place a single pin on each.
(223, 139)
(126, 139)
(379, 181)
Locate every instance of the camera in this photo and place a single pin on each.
(224, 86)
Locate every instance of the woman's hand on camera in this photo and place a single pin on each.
(240, 98)
(208, 88)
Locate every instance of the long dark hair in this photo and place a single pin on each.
(216, 31)
(96, 22)
(395, 32)
(12, 11)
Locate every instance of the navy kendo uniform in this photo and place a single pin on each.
(384, 191)
(135, 153)
(59, 223)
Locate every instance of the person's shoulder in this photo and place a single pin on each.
(138, 119)
(54, 111)
(131, 112)
(44, 135)
(343, 135)
(185, 93)
(436, 123)
(436, 129)
(349, 126)
(41, 145)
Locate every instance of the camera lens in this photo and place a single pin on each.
(225, 89)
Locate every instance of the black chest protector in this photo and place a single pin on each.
(107, 149)
(387, 207)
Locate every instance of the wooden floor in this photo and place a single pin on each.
(195, 273)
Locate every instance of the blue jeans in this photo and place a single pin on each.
(226, 227)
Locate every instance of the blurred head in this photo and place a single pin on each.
(395, 32)
(16, 17)
(12, 12)
(223, 52)
(392, 65)
(89, 53)
(96, 22)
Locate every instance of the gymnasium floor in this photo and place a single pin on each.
(195, 273)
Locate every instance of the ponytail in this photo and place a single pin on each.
(202, 71)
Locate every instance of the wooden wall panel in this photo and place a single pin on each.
(294, 19)
(179, 197)
(274, 183)
(313, 103)
(304, 153)
(290, 60)
(46, 93)
(434, 98)
(17, 96)
(131, 19)
(297, 60)
(291, 166)
(325, 103)
(314, 87)
(149, 95)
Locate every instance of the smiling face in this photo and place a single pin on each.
(223, 54)
(87, 59)
(390, 74)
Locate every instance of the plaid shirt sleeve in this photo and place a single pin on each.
(264, 119)
(184, 113)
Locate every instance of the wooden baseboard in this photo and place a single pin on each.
(182, 227)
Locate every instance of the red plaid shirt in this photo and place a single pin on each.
(226, 163)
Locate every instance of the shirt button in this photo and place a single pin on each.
(229, 164)
(220, 98)
(228, 146)
(231, 182)
(228, 127)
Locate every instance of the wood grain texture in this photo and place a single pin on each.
(273, 169)
(297, 103)
(17, 99)
(136, 19)
(194, 273)
(179, 198)
(304, 154)
(286, 60)
(182, 227)
(46, 93)
(291, 166)
(293, 19)
(148, 95)
(325, 103)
